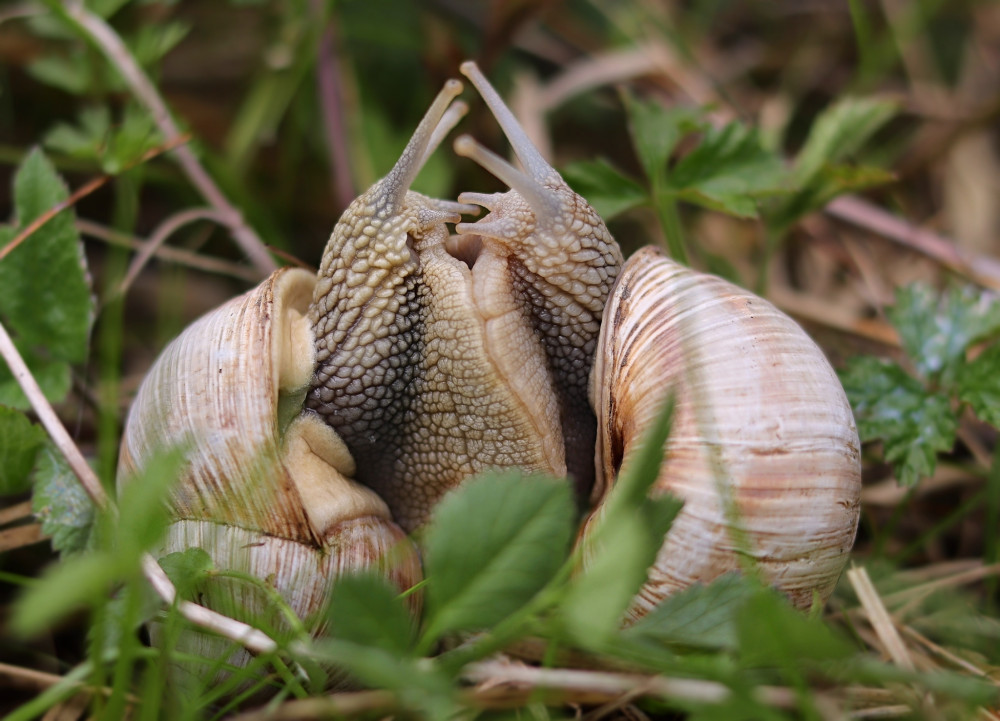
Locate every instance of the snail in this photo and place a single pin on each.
(417, 358)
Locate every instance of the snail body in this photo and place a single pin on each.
(418, 358)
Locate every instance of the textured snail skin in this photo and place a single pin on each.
(433, 371)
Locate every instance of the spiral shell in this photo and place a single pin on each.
(763, 450)
(265, 489)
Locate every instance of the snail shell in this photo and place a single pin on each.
(265, 490)
(763, 449)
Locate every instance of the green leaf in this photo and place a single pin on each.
(729, 171)
(72, 73)
(75, 583)
(830, 182)
(913, 423)
(87, 138)
(419, 684)
(979, 385)
(656, 130)
(936, 330)
(143, 515)
(610, 191)
(621, 542)
(53, 377)
(840, 132)
(491, 545)
(700, 617)
(20, 440)
(187, 569)
(61, 505)
(365, 609)
(152, 41)
(44, 287)
(772, 632)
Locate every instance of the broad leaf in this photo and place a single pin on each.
(44, 287)
(700, 617)
(656, 130)
(366, 610)
(20, 440)
(610, 191)
(419, 684)
(840, 132)
(913, 423)
(491, 545)
(771, 632)
(729, 171)
(52, 376)
(61, 505)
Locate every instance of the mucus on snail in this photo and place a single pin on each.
(423, 357)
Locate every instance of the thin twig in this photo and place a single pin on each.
(15, 512)
(31, 679)
(616, 684)
(83, 191)
(168, 253)
(21, 536)
(879, 618)
(122, 59)
(249, 636)
(53, 426)
(159, 236)
(981, 269)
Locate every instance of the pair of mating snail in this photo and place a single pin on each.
(320, 412)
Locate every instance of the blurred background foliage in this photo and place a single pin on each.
(292, 107)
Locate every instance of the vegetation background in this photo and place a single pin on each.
(838, 156)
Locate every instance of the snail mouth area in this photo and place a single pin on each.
(465, 247)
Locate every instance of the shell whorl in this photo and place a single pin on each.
(763, 449)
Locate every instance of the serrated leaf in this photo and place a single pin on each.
(656, 130)
(20, 441)
(771, 632)
(44, 289)
(491, 545)
(61, 505)
(913, 423)
(840, 132)
(610, 191)
(729, 171)
(936, 330)
(979, 385)
(366, 610)
(700, 617)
